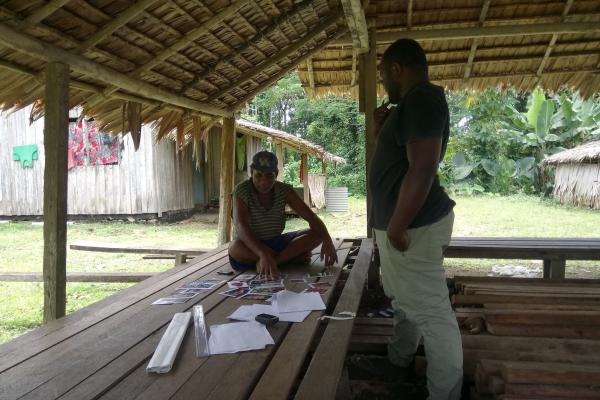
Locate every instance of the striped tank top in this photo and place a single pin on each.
(266, 224)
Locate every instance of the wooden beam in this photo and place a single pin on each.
(550, 47)
(260, 68)
(181, 43)
(56, 127)
(304, 173)
(279, 155)
(45, 11)
(80, 276)
(357, 25)
(409, 14)
(311, 75)
(484, 9)
(38, 49)
(354, 68)
(226, 179)
(481, 32)
(369, 82)
(108, 29)
(284, 71)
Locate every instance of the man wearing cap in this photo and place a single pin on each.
(259, 218)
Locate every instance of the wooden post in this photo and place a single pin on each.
(279, 154)
(368, 81)
(554, 268)
(324, 167)
(56, 128)
(226, 181)
(304, 173)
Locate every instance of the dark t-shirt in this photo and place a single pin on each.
(421, 114)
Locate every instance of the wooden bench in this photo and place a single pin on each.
(102, 350)
(181, 255)
(553, 251)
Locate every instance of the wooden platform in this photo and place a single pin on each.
(101, 351)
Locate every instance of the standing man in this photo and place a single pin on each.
(412, 217)
(259, 218)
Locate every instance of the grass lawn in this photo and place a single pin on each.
(21, 247)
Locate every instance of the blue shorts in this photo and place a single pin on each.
(277, 244)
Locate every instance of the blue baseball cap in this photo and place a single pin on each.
(264, 161)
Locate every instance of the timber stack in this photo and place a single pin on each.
(526, 338)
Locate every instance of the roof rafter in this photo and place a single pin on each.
(409, 14)
(249, 74)
(181, 43)
(311, 75)
(284, 71)
(38, 49)
(45, 11)
(484, 9)
(357, 24)
(261, 35)
(108, 29)
(568, 5)
(481, 32)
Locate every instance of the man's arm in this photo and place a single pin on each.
(423, 158)
(266, 260)
(299, 206)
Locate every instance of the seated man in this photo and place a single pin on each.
(259, 218)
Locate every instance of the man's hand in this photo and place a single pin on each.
(398, 238)
(267, 266)
(380, 114)
(328, 252)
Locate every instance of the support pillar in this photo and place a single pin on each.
(226, 180)
(279, 154)
(305, 181)
(368, 89)
(56, 128)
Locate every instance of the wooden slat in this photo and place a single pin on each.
(118, 248)
(280, 375)
(553, 331)
(63, 366)
(331, 351)
(79, 276)
(550, 373)
(26, 346)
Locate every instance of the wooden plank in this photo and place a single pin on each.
(56, 126)
(60, 368)
(34, 342)
(527, 344)
(331, 351)
(463, 280)
(544, 317)
(226, 180)
(553, 331)
(79, 276)
(483, 299)
(281, 373)
(304, 178)
(104, 247)
(550, 373)
(546, 391)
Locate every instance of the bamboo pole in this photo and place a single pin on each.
(305, 180)
(279, 155)
(226, 179)
(56, 126)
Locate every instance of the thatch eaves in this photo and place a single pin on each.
(474, 44)
(297, 143)
(586, 153)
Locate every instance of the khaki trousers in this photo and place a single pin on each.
(415, 281)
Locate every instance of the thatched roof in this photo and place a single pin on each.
(586, 153)
(475, 44)
(184, 63)
(288, 140)
(178, 58)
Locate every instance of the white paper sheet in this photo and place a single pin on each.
(287, 301)
(238, 336)
(164, 355)
(249, 312)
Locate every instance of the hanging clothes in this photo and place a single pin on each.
(76, 144)
(26, 154)
(102, 148)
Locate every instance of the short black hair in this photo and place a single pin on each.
(406, 52)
